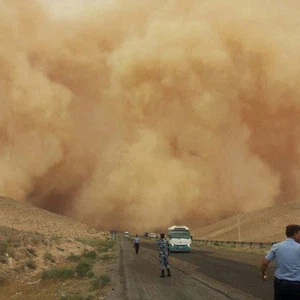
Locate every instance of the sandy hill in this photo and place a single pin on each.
(48, 256)
(25, 217)
(261, 225)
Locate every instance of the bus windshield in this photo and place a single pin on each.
(180, 234)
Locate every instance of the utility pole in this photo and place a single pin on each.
(239, 228)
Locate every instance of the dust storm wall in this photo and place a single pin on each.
(138, 115)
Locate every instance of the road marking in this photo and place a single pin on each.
(143, 287)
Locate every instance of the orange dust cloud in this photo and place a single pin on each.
(138, 114)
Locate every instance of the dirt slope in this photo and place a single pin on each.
(47, 256)
(25, 217)
(261, 225)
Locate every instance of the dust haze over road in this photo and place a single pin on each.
(150, 113)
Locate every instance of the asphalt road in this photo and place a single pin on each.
(196, 275)
(235, 269)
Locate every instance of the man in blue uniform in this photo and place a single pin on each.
(163, 253)
(287, 259)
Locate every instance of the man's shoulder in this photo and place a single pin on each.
(286, 243)
(279, 244)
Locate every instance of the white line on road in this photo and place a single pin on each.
(143, 287)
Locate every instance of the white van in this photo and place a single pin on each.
(179, 238)
(126, 234)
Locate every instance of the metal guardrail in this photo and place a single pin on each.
(256, 245)
(242, 244)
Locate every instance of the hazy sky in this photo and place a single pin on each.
(138, 114)
(71, 7)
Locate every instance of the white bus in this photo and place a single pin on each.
(179, 238)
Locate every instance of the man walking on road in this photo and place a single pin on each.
(287, 259)
(163, 253)
(136, 243)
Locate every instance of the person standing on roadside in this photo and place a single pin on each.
(136, 243)
(163, 254)
(287, 259)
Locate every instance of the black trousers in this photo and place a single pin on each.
(137, 247)
(286, 290)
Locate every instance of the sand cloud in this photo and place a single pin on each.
(140, 115)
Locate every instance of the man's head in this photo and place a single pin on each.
(162, 235)
(293, 231)
(136, 235)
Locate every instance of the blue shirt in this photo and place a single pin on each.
(287, 259)
(136, 240)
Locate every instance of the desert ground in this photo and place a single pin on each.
(48, 256)
(263, 225)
